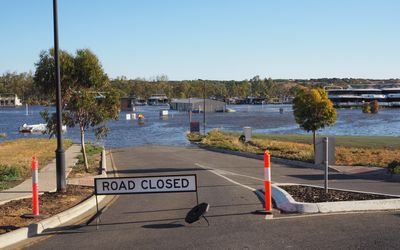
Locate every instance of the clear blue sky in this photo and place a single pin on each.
(211, 39)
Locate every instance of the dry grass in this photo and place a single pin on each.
(221, 140)
(17, 154)
(287, 150)
(366, 157)
(353, 151)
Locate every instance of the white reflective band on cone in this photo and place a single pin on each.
(267, 174)
(35, 177)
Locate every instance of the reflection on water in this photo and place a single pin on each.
(171, 130)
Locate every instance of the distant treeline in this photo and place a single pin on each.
(195, 88)
(23, 85)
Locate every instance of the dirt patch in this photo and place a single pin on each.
(79, 171)
(50, 204)
(314, 194)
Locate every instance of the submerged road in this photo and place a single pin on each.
(156, 221)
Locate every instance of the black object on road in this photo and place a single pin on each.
(197, 212)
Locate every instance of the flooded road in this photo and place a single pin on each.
(172, 129)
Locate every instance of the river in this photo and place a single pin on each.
(172, 130)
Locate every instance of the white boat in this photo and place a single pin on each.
(36, 128)
(33, 128)
(229, 110)
(158, 100)
(373, 96)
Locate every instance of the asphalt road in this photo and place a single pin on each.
(156, 221)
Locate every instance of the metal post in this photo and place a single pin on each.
(326, 163)
(204, 108)
(60, 153)
(97, 214)
(190, 111)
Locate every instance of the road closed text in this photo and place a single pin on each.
(153, 184)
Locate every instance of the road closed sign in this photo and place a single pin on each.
(146, 184)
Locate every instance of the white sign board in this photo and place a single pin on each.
(146, 184)
(247, 133)
(320, 151)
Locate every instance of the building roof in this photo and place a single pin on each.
(192, 100)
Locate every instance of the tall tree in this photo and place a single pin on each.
(44, 78)
(313, 110)
(88, 96)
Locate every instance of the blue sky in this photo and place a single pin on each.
(211, 39)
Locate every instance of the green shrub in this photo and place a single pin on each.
(394, 167)
(9, 173)
(92, 149)
(3, 135)
(82, 162)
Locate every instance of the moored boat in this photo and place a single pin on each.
(158, 100)
(36, 128)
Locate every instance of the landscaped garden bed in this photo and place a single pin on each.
(315, 194)
(50, 204)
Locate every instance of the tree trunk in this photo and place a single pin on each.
(314, 141)
(83, 150)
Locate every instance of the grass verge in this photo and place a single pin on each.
(377, 151)
(16, 156)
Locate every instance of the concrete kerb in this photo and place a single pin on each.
(16, 236)
(285, 202)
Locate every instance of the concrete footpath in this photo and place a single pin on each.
(47, 178)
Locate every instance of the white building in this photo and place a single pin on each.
(197, 105)
(9, 100)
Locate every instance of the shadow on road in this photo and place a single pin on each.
(167, 219)
(188, 208)
(164, 225)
